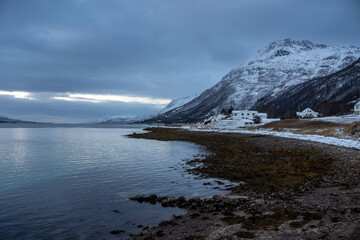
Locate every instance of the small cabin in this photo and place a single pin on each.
(307, 113)
(357, 108)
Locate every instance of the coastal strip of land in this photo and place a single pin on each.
(287, 189)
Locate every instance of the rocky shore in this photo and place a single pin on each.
(287, 189)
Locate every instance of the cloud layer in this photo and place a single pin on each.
(156, 49)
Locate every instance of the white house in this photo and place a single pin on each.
(307, 113)
(245, 118)
(244, 114)
(357, 108)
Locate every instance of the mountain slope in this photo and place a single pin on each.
(279, 66)
(175, 103)
(342, 86)
(131, 118)
(9, 120)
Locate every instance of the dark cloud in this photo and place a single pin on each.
(159, 48)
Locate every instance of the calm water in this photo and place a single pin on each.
(65, 183)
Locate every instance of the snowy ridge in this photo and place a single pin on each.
(126, 118)
(132, 118)
(175, 103)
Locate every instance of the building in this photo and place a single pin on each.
(233, 123)
(307, 113)
(243, 114)
(262, 115)
(357, 108)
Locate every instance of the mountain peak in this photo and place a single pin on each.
(287, 46)
(287, 42)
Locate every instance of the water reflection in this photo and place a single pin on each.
(67, 182)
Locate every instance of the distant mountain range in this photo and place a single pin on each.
(132, 118)
(9, 120)
(286, 75)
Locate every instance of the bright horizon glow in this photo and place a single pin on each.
(17, 94)
(96, 98)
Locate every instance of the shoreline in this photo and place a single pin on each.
(334, 141)
(293, 189)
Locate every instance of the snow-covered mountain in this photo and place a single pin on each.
(175, 103)
(131, 118)
(280, 65)
(122, 119)
(329, 95)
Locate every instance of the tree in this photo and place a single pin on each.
(223, 111)
(257, 119)
(230, 110)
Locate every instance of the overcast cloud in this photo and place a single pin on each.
(157, 50)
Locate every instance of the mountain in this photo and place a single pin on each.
(131, 118)
(278, 67)
(123, 119)
(9, 120)
(175, 103)
(341, 87)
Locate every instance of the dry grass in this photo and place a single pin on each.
(327, 129)
(353, 130)
(303, 124)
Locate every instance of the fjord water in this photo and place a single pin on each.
(65, 183)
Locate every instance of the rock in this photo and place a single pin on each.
(181, 199)
(160, 199)
(152, 197)
(134, 197)
(117, 231)
(260, 201)
(229, 198)
(218, 196)
(356, 210)
(195, 199)
(165, 202)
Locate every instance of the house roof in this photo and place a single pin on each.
(358, 103)
(239, 111)
(308, 109)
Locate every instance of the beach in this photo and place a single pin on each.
(285, 189)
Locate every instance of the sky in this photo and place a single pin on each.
(81, 60)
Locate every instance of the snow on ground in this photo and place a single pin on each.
(346, 119)
(315, 138)
(268, 120)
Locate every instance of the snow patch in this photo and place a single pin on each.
(314, 138)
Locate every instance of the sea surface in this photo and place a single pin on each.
(66, 182)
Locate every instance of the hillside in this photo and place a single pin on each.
(273, 70)
(340, 87)
(9, 120)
